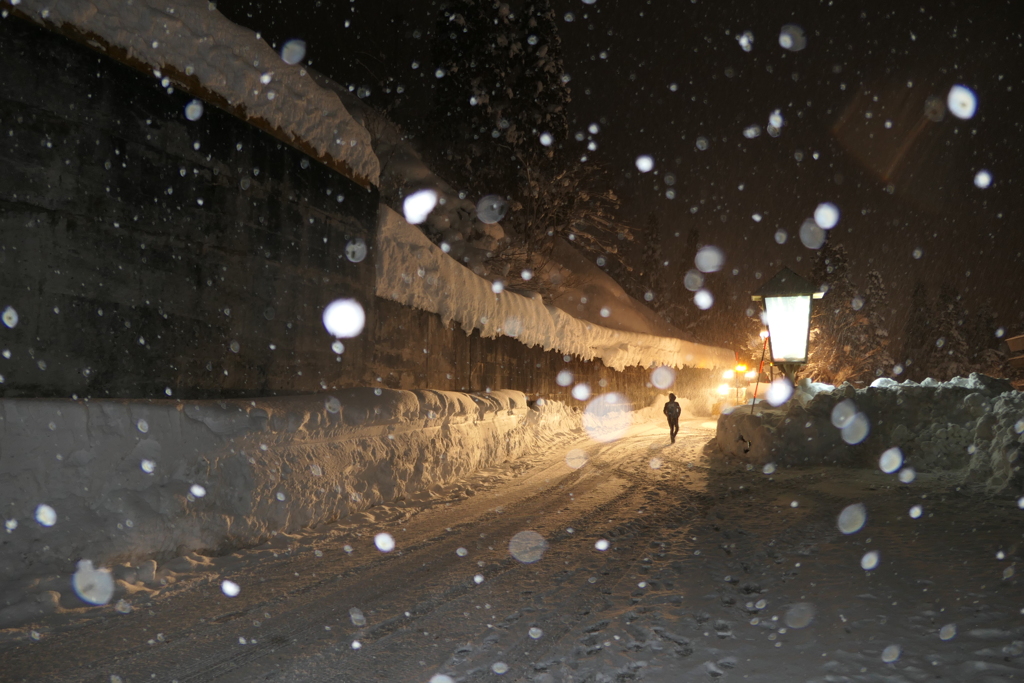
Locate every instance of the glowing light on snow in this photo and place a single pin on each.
(870, 560)
(10, 317)
(356, 645)
(563, 378)
(891, 654)
(656, 463)
(1020, 502)
(792, 38)
(800, 615)
(947, 632)
(644, 163)
(333, 405)
(917, 253)
(907, 475)
(982, 179)
(527, 275)
(775, 119)
(752, 131)
(602, 544)
(852, 518)
(756, 217)
(461, 552)
(527, 546)
(857, 430)
(702, 143)
(197, 491)
(497, 287)
(293, 51)
(546, 139)
(46, 515)
(746, 41)
(794, 504)
(418, 206)
(575, 459)
(779, 391)
(142, 426)
(95, 586)
(385, 542)
(491, 209)
(709, 259)
(581, 392)
(194, 110)
(811, 236)
(10, 525)
(826, 215)
(891, 460)
(148, 466)
(663, 377)
(229, 588)
(441, 678)
(535, 633)
(344, 318)
(781, 236)
(916, 511)
(769, 468)
(478, 579)
(962, 102)
(501, 667)
(607, 417)
(703, 299)
(357, 617)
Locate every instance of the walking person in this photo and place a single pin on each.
(672, 412)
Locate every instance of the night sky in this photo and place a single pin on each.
(657, 76)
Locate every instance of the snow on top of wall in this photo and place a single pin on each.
(185, 39)
(413, 271)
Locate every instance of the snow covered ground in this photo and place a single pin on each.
(620, 560)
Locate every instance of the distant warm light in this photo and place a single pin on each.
(741, 368)
(751, 374)
(764, 334)
(728, 374)
(724, 389)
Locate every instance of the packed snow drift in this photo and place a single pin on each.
(968, 426)
(108, 480)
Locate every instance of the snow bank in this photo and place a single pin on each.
(413, 271)
(123, 476)
(968, 426)
(191, 43)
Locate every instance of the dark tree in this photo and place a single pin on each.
(500, 127)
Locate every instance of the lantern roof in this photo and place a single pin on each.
(787, 282)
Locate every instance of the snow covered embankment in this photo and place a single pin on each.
(414, 271)
(968, 426)
(130, 480)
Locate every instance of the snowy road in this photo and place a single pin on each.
(711, 573)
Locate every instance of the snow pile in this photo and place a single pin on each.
(415, 272)
(129, 480)
(191, 43)
(968, 426)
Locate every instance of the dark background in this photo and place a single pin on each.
(900, 188)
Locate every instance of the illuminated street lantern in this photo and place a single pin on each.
(787, 306)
